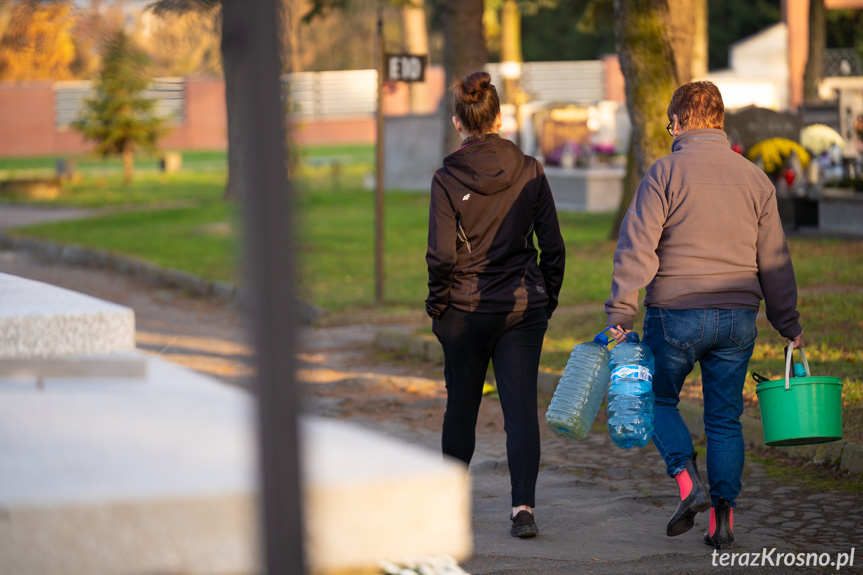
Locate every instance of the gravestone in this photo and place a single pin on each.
(752, 124)
(171, 162)
(560, 127)
(67, 169)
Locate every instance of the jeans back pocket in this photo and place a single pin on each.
(683, 328)
(743, 329)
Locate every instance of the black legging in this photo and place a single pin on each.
(513, 341)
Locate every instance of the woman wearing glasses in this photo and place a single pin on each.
(703, 235)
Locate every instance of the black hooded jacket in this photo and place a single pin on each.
(487, 202)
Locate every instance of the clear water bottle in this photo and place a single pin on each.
(630, 395)
(582, 386)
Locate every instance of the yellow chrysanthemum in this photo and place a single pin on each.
(775, 152)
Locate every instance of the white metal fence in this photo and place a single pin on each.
(579, 82)
(332, 94)
(352, 92)
(70, 100)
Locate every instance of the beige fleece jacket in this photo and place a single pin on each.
(703, 231)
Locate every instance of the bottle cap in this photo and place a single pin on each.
(632, 337)
(799, 370)
(601, 338)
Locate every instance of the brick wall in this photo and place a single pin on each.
(26, 119)
(27, 126)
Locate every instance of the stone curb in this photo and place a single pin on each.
(847, 455)
(72, 254)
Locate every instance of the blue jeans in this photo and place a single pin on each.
(721, 340)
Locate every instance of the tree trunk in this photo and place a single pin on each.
(128, 164)
(510, 45)
(814, 72)
(700, 38)
(289, 36)
(464, 52)
(656, 59)
(416, 41)
(681, 23)
(234, 188)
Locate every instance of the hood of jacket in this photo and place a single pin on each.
(487, 166)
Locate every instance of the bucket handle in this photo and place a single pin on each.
(788, 351)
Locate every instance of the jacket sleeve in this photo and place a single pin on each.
(441, 254)
(635, 260)
(775, 272)
(552, 256)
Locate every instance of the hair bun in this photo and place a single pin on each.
(476, 103)
(475, 84)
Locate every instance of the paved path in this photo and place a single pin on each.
(600, 510)
(13, 216)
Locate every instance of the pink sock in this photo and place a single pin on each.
(684, 483)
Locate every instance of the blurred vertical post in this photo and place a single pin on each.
(379, 168)
(250, 35)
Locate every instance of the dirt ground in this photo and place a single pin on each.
(344, 376)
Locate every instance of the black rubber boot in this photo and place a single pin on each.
(697, 501)
(723, 536)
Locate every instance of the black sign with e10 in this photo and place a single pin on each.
(406, 67)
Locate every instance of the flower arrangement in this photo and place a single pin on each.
(604, 149)
(818, 138)
(775, 152)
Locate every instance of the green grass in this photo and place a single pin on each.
(793, 472)
(351, 153)
(146, 188)
(336, 243)
(351, 156)
(88, 164)
(334, 217)
(179, 238)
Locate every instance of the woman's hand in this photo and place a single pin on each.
(618, 333)
(797, 341)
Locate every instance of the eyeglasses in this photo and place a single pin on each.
(670, 128)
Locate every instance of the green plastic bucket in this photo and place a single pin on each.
(800, 410)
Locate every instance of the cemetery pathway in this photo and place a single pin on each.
(600, 509)
(24, 215)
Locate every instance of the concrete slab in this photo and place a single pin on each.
(127, 476)
(411, 160)
(586, 189)
(38, 320)
(370, 497)
(840, 211)
(158, 475)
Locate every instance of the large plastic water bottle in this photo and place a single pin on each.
(630, 395)
(582, 386)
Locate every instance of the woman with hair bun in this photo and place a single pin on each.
(488, 297)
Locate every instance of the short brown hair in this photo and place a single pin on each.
(476, 103)
(698, 105)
